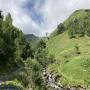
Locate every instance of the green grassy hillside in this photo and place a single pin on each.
(78, 22)
(72, 67)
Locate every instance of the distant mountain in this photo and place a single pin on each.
(31, 38)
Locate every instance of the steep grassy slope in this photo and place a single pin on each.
(79, 21)
(73, 68)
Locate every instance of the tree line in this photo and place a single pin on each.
(16, 52)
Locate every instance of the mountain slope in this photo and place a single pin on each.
(78, 22)
(32, 39)
(72, 63)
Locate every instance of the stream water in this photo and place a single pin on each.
(52, 85)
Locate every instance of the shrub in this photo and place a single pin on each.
(77, 49)
(61, 28)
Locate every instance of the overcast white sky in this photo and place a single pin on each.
(40, 16)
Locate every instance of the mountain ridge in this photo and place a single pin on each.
(79, 17)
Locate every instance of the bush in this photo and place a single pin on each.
(77, 49)
(41, 44)
(71, 33)
(51, 59)
(27, 52)
(36, 71)
(61, 28)
(42, 57)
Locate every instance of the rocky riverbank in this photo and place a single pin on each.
(50, 81)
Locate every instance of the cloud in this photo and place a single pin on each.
(21, 18)
(56, 11)
(40, 16)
